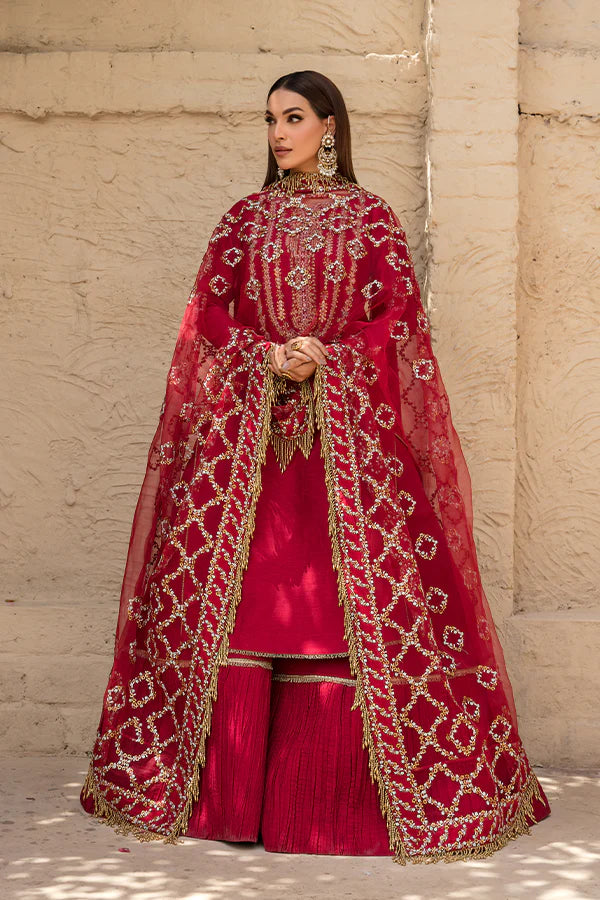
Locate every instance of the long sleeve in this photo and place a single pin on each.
(217, 284)
(388, 286)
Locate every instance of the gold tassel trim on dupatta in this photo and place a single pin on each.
(517, 827)
(181, 823)
(530, 791)
(108, 815)
(400, 854)
(285, 447)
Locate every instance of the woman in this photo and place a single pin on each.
(304, 650)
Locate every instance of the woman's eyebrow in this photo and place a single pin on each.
(291, 109)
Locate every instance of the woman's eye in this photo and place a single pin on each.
(293, 116)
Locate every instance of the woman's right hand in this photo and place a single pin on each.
(300, 364)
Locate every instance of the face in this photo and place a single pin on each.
(294, 126)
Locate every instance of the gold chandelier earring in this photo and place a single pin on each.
(327, 155)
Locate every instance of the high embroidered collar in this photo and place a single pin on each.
(310, 181)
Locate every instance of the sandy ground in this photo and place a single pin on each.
(51, 849)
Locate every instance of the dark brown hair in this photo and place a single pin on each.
(326, 100)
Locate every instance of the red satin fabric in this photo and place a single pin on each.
(289, 593)
(285, 765)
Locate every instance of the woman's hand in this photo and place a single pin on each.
(300, 364)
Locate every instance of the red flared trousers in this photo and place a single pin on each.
(285, 762)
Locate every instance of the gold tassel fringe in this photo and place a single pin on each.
(284, 448)
(181, 823)
(108, 815)
(396, 844)
(517, 827)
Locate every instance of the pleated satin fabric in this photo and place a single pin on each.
(285, 763)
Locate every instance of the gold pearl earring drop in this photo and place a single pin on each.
(327, 155)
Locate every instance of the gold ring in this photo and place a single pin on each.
(295, 345)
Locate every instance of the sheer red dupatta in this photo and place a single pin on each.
(188, 548)
(396, 340)
(437, 704)
(210, 342)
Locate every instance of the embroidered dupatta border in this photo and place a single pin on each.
(328, 400)
(105, 811)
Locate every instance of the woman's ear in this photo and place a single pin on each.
(331, 120)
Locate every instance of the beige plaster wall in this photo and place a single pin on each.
(560, 24)
(338, 28)
(472, 153)
(478, 122)
(555, 631)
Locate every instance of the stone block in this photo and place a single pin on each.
(242, 28)
(90, 83)
(480, 214)
(560, 23)
(81, 724)
(559, 82)
(51, 630)
(473, 149)
(68, 680)
(557, 525)
(27, 728)
(552, 660)
(474, 115)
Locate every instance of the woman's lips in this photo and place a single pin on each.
(283, 150)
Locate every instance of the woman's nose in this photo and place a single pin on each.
(279, 131)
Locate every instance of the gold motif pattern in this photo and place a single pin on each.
(297, 278)
(426, 546)
(424, 368)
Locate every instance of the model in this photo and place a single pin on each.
(304, 653)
